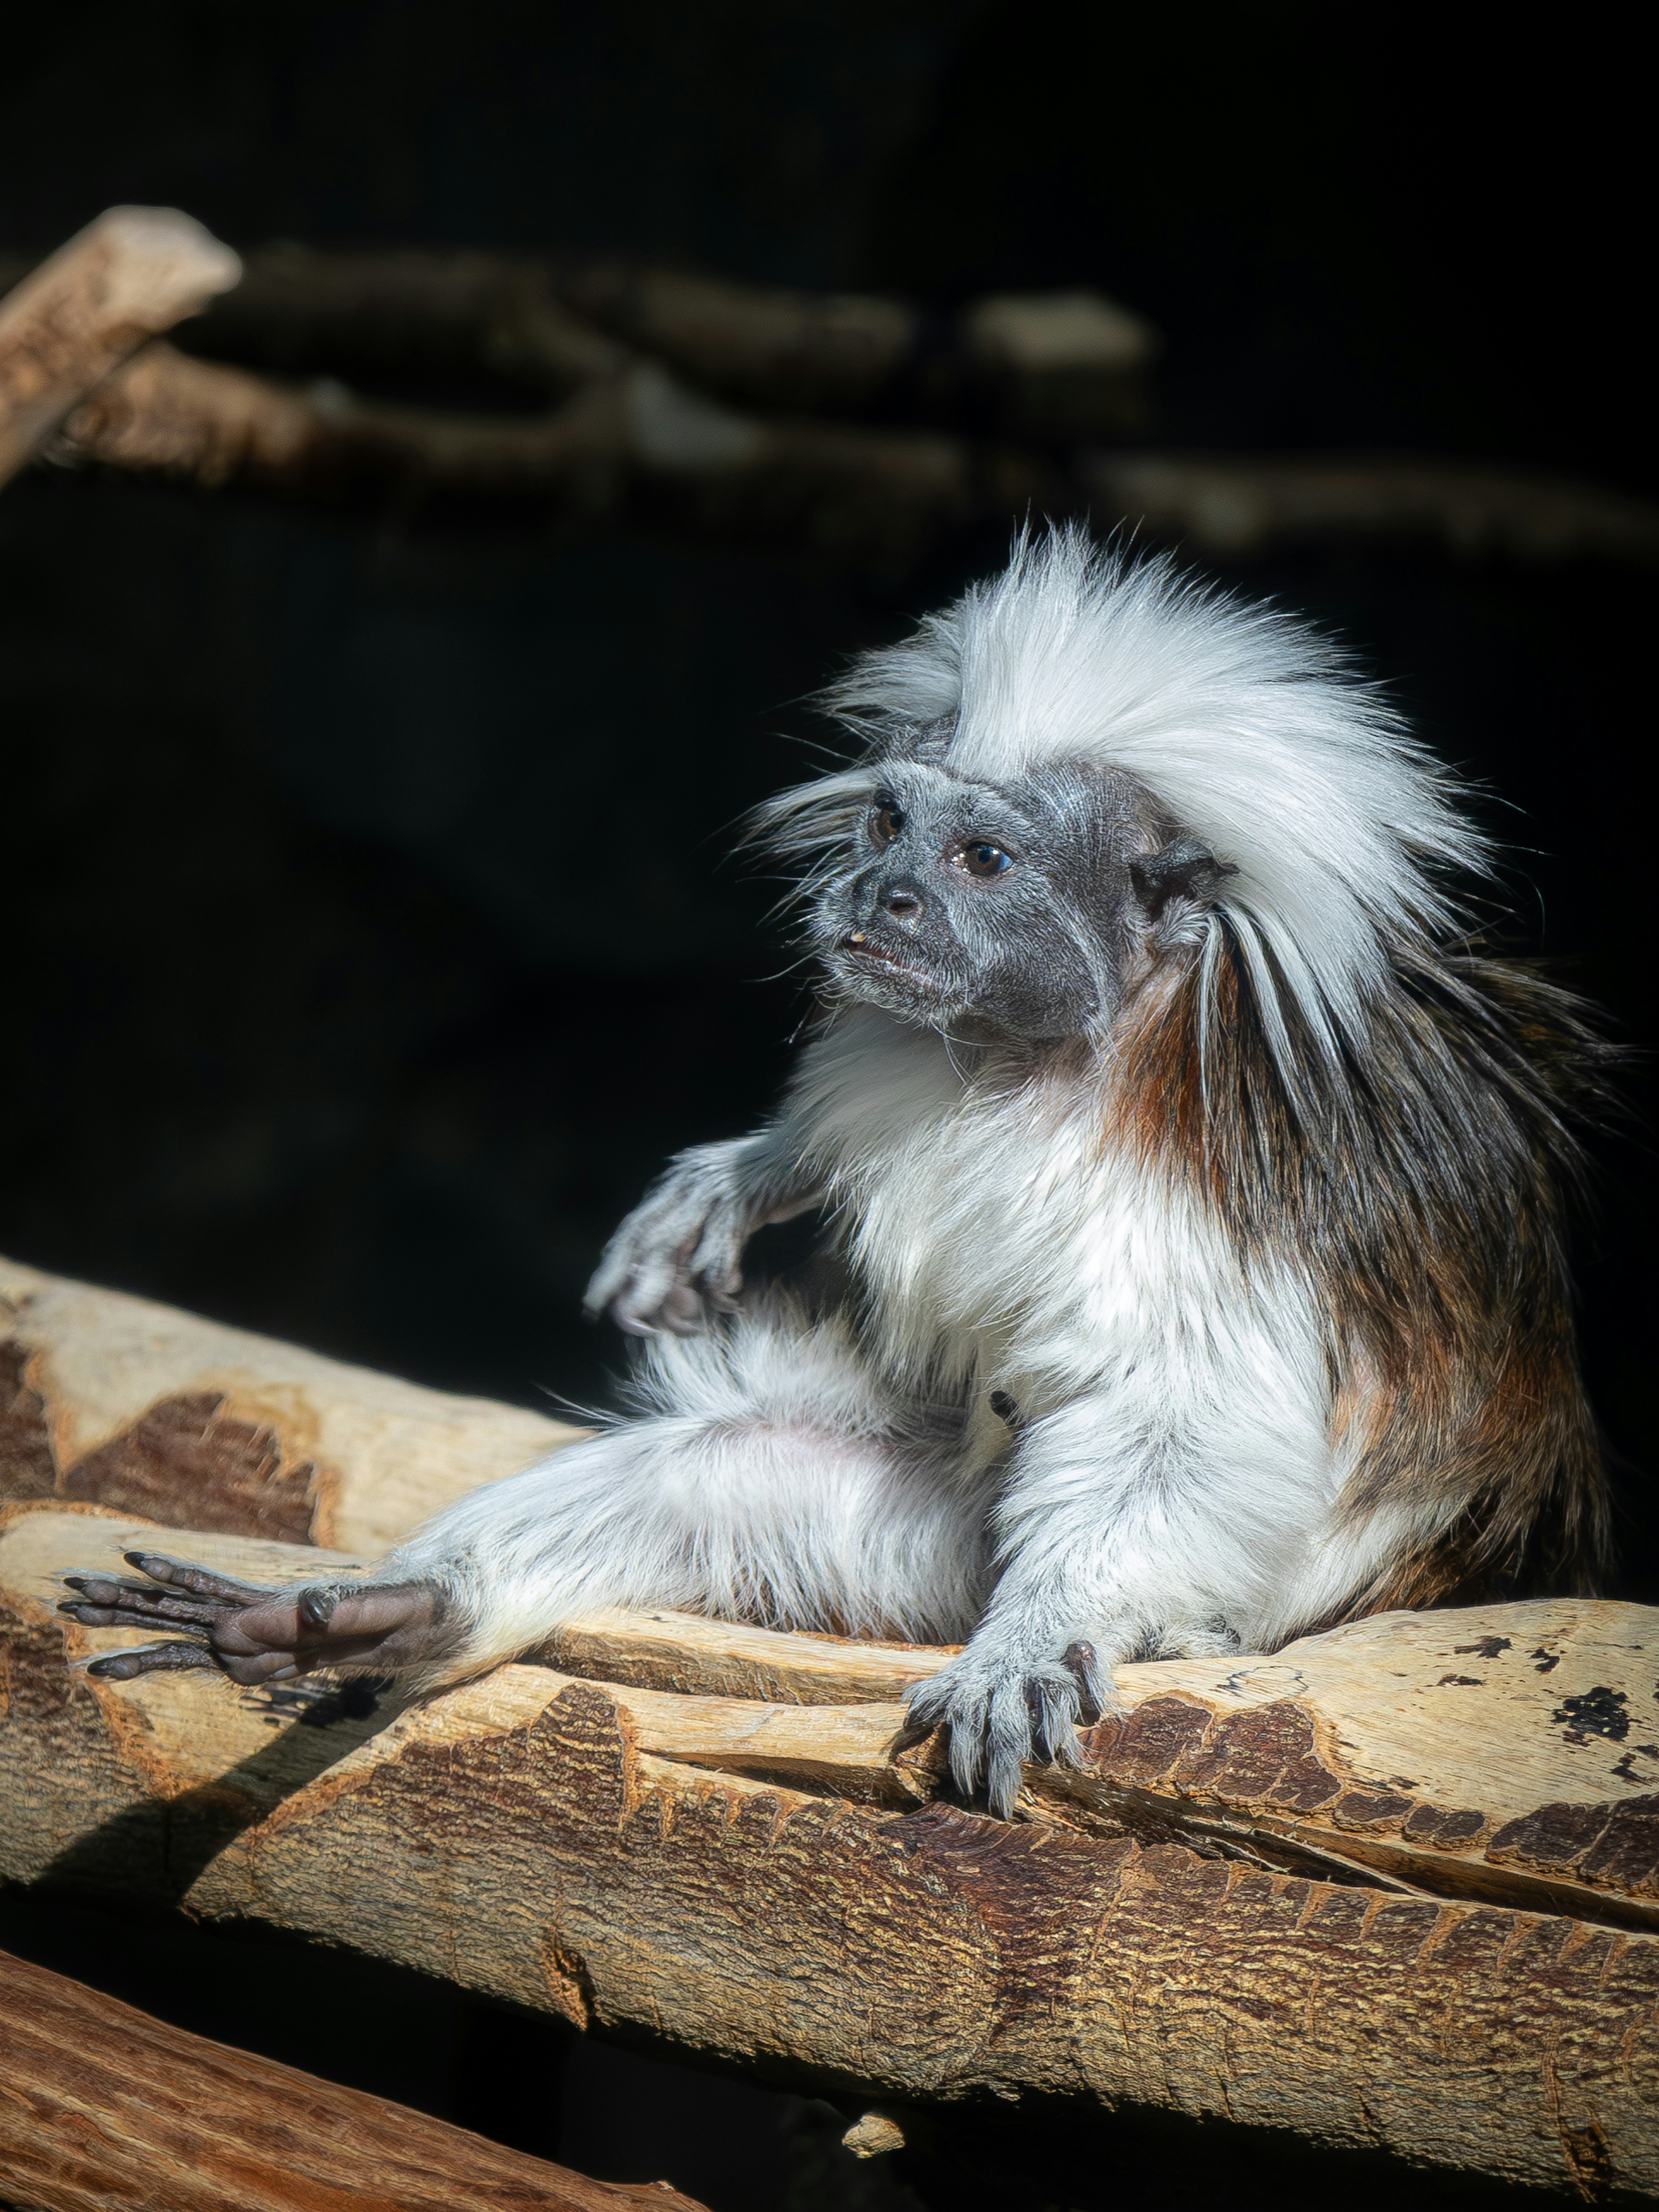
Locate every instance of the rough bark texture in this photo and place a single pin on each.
(133, 272)
(101, 2105)
(112, 1400)
(1283, 1891)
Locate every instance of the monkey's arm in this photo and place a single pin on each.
(1146, 1522)
(679, 1253)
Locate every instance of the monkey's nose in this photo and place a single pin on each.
(903, 904)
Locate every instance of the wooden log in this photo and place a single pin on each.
(1296, 1892)
(132, 273)
(115, 1401)
(100, 2104)
(1065, 365)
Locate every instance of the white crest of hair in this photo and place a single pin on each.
(1249, 729)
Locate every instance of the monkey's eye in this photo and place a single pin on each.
(982, 859)
(887, 818)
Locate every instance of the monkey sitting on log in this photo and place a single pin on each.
(1195, 1186)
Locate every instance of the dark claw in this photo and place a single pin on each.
(1082, 1660)
(914, 1732)
(201, 1581)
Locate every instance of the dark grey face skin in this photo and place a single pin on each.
(999, 913)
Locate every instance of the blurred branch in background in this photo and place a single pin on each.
(134, 272)
(863, 428)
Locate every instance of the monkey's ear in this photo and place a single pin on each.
(1182, 869)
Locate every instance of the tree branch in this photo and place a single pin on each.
(103, 2104)
(719, 409)
(134, 272)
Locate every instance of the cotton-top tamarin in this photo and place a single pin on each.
(1196, 1187)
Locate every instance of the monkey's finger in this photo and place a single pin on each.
(1008, 1730)
(125, 1616)
(682, 1312)
(148, 1602)
(719, 1278)
(967, 1749)
(200, 1582)
(610, 1279)
(1051, 1704)
(638, 1309)
(151, 1659)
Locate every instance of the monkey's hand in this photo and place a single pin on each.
(260, 1635)
(678, 1255)
(1003, 1706)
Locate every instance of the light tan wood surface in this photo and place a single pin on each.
(1265, 1894)
(113, 1400)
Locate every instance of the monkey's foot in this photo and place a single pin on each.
(255, 1634)
(1003, 1710)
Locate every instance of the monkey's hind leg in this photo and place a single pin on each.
(770, 1475)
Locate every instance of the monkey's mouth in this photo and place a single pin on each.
(858, 950)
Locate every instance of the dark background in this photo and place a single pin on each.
(370, 940)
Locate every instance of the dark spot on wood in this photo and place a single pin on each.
(1599, 1711)
(1267, 1753)
(1553, 1838)
(1145, 1746)
(1624, 1767)
(1436, 1824)
(27, 1467)
(1372, 1808)
(1465, 1682)
(1484, 1647)
(1627, 1854)
(189, 1465)
(1548, 1659)
(1304, 1786)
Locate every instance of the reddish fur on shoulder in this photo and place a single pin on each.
(1419, 1185)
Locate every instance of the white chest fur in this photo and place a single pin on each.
(1007, 1234)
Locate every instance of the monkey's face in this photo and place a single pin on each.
(985, 910)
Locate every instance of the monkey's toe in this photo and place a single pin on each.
(1002, 1714)
(151, 1659)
